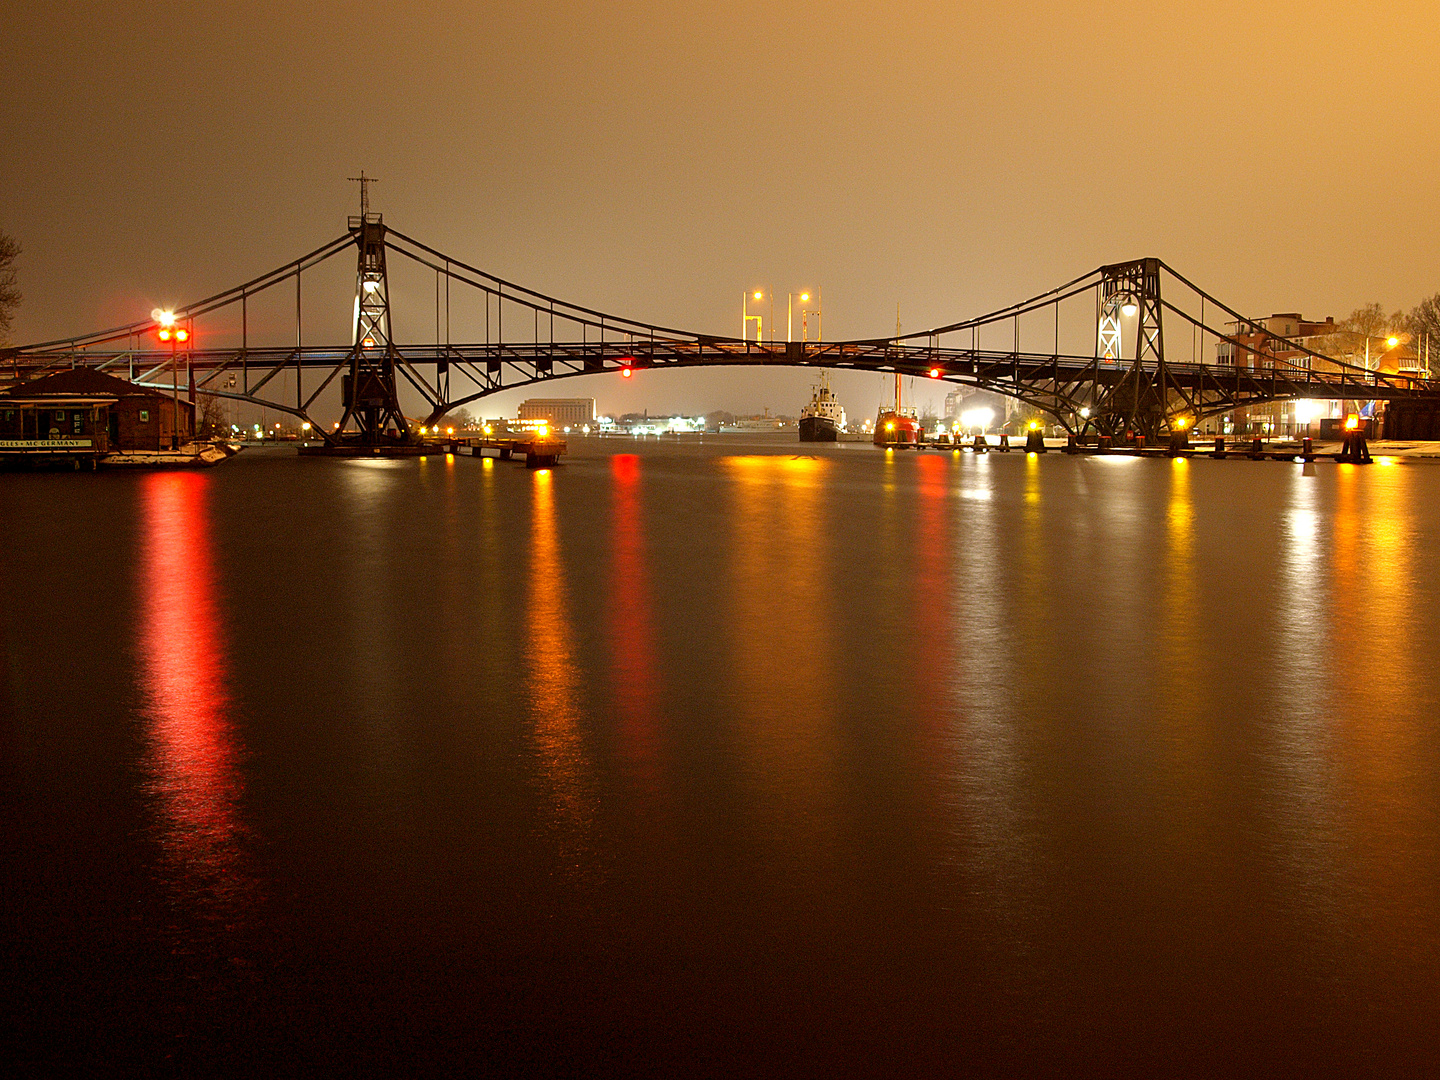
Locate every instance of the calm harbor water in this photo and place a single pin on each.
(723, 756)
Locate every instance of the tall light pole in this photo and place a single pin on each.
(746, 317)
(175, 335)
(818, 312)
(790, 312)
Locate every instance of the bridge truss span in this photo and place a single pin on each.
(1093, 352)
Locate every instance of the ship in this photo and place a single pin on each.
(898, 426)
(823, 419)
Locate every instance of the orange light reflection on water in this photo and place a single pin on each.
(781, 620)
(554, 683)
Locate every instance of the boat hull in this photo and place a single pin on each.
(892, 429)
(818, 429)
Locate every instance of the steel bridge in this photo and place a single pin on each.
(1124, 383)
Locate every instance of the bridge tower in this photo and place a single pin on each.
(368, 389)
(1137, 398)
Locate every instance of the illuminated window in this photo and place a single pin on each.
(144, 416)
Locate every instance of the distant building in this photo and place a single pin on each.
(1273, 346)
(560, 412)
(86, 412)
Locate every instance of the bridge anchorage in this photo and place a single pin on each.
(1092, 353)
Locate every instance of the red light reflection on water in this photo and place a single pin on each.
(633, 639)
(193, 755)
(932, 586)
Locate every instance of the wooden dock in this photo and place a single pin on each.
(540, 451)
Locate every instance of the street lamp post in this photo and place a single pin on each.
(167, 330)
(746, 318)
(790, 312)
(819, 313)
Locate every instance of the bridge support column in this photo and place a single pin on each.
(368, 388)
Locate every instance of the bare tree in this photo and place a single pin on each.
(1357, 337)
(212, 416)
(9, 291)
(1423, 323)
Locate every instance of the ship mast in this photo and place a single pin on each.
(897, 367)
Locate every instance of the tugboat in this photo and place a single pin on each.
(822, 419)
(898, 426)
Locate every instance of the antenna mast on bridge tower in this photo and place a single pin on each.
(368, 390)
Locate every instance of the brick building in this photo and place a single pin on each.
(86, 412)
(1273, 347)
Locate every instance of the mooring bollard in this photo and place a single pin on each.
(1105, 443)
(1179, 443)
(1257, 449)
(1034, 442)
(1307, 448)
(1219, 446)
(1070, 447)
(1354, 449)
(981, 446)
(1004, 443)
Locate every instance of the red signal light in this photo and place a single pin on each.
(934, 373)
(182, 334)
(164, 333)
(625, 373)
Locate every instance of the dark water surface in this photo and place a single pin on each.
(723, 757)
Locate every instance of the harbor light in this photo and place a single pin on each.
(1129, 308)
(1352, 422)
(977, 418)
(934, 373)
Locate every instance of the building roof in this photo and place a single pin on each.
(79, 382)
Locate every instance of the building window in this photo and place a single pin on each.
(144, 416)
